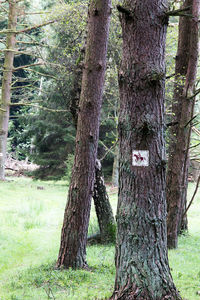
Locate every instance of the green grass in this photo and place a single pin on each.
(185, 261)
(31, 217)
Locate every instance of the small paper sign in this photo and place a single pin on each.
(1, 154)
(140, 158)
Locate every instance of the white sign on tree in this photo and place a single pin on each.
(140, 158)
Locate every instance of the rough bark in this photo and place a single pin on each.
(76, 218)
(102, 205)
(6, 85)
(142, 270)
(183, 109)
(103, 208)
(76, 88)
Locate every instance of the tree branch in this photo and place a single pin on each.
(125, 11)
(178, 12)
(38, 106)
(38, 13)
(196, 130)
(42, 74)
(194, 146)
(22, 87)
(19, 52)
(36, 26)
(31, 43)
(27, 66)
(3, 8)
(172, 124)
(192, 199)
(109, 149)
(194, 95)
(170, 76)
(190, 120)
(28, 28)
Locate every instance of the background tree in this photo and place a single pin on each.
(183, 112)
(103, 209)
(66, 43)
(15, 28)
(6, 83)
(102, 205)
(75, 225)
(142, 270)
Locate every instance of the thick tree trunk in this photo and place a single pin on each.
(142, 270)
(183, 108)
(6, 85)
(103, 208)
(75, 225)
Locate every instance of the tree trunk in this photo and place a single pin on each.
(183, 109)
(102, 205)
(142, 270)
(115, 172)
(76, 218)
(103, 208)
(6, 85)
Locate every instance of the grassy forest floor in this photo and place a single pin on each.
(31, 217)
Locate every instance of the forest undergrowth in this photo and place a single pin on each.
(31, 218)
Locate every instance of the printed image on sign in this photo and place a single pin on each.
(140, 158)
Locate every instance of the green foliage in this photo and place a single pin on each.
(47, 138)
(112, 230)
(69, 165)
(52, 134)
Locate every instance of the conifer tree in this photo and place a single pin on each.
(76, 218)
(142, 269)
(183, 113)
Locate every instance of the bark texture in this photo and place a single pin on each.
(142, 270)
(103, 208)
(183, 110)
(6, 85)
(76, 218)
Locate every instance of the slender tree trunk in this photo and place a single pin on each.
(76, 218)
(142, 270)
(183, 109)
(102, 205)
(6, 85)
(103, 208)
(115, 173)
(176, 159)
